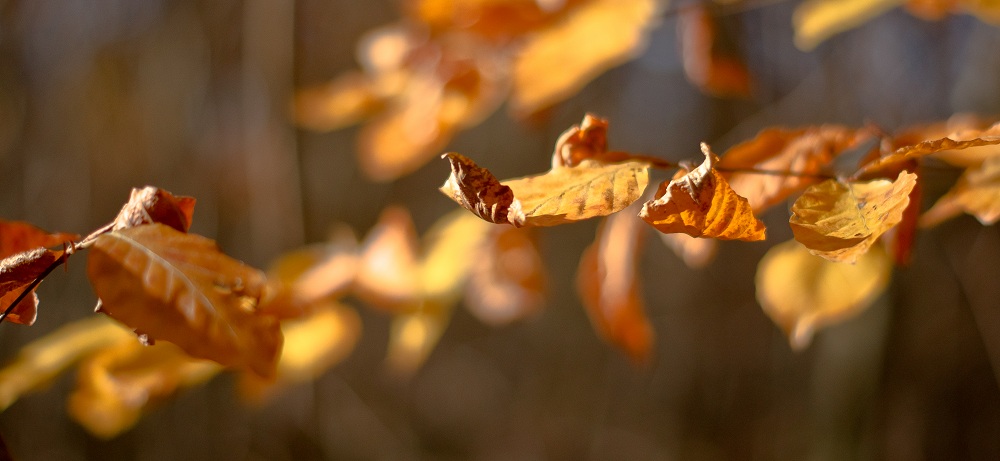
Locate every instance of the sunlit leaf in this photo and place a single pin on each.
(24, 257)
(388, 273)
(818, 20)
(412, 337)
(695, 252)
(558, 61)
(944, 148)
(701, 204)
(804, 153)
(803, 293)
(313, 344)
(840, 221)
(344, 101)
(976, 193)
(507, 280)
(153, 205)
(41, 360)
(706, 64)
(448, 259)
(118, 384)
(180, 288)
(608, 283)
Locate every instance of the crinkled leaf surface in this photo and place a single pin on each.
(700, 203)
(944, 147)
(180, 288)
(22, 248)
(153, 205)
(608, 283)
(803, 293)
(840, 221)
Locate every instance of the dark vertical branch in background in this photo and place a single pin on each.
(272, 172)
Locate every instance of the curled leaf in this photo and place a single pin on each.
(700, 203)
(945, 148)
(180, 288)
(840, 221)
(153, 205)
(19, 272)
(803, 293)
(608, 283)
(976, 193)
(478, 191)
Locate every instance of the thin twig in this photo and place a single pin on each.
(777, 173)
(34, 283)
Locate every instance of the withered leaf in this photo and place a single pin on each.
(559, 60)
(119, 383)
(478, 191)
(803, 151)
(944, 147)
(589, 139)
(388, 274)
(153, 205)
(18, 236)
(608, 283)
(840, 221)
(977, 193)
(17, 273)
(803, 293)
(41, 360)
(700, 203)
(180, 288)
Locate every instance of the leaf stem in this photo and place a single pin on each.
(776, 173)
(34, 283)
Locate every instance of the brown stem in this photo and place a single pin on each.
(776, 173)
(34, 283)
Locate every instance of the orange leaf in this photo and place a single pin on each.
(608, 283)
(701, 204)
(803, 293)
(507, 280)
(804, 151)
(944, 148)
(180, 288)
(388, 275)
(20, 271)
(695, 252)
(706, 64)
(840, 221)
(977, 193)
(17, 236)
(559, 60)
(119, 383)
(153, 205)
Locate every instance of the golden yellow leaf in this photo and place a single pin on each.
(804, 151)
(412, 337)
(561, 195)
(449, 247)
(818, 20)
(180, 288)
(43, 359)
(344, 101)
(803, 293)
(388, 273)
(977, 193)
(946, 149)
(840, 221)
(608, 283)
(701, 204)
(313, 344)
(118, 384)
(559, 60)
(507, 279)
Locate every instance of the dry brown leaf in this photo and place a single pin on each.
(695, 252)
(701, 204)
(840, 221)
(559, 60)
(153, 205)
(562, 195)
(119, 383)
(587, 140)
(608, 283)
(41, 360)
(706, 64)
(388, 273)
(977, 193)
(180, 288)
(313, 344)
(18, 236)
(804, 151)
(943, 148)
(507, 280)
(803, 293)
(22, 248)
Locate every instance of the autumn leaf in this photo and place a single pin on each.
(706, 63)
(180, 288)
(412, 337)
(804, 153)
(559, 60)
(17, 236)
(818, 20)
(313, 344)
(803, 293)
(507, 280)
(587, 140)
(388, 276)
(25, 259)
(943, 148)
(840, 221)
(695, 252)
(119, 383)
(608, 283)
(153, 205)
(453, 245)
(977, 193)
(700, 203)
(41, 360)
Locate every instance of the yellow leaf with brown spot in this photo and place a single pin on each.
(803, 293)
(840, 221)
(700, 203)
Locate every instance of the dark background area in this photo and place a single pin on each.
(98, 96)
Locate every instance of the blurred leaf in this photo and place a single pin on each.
(695, 252)
(608, 283)
(313, 344)
(41, 360)
(818, 20)
(944, 148)
(840, 221)
(17, 236)
(803, 293)
(412, 337)
(346, 100)
(507, 279)
(451, 248)
(559, 60)
(388, 274)
(701, 204)
(313, 273)
(976, 193)
(180, 288)
(804, 151)
(706, 64)
(119, 383)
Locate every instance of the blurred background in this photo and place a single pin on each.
(98, 96)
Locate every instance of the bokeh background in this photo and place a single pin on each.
(98, 96)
